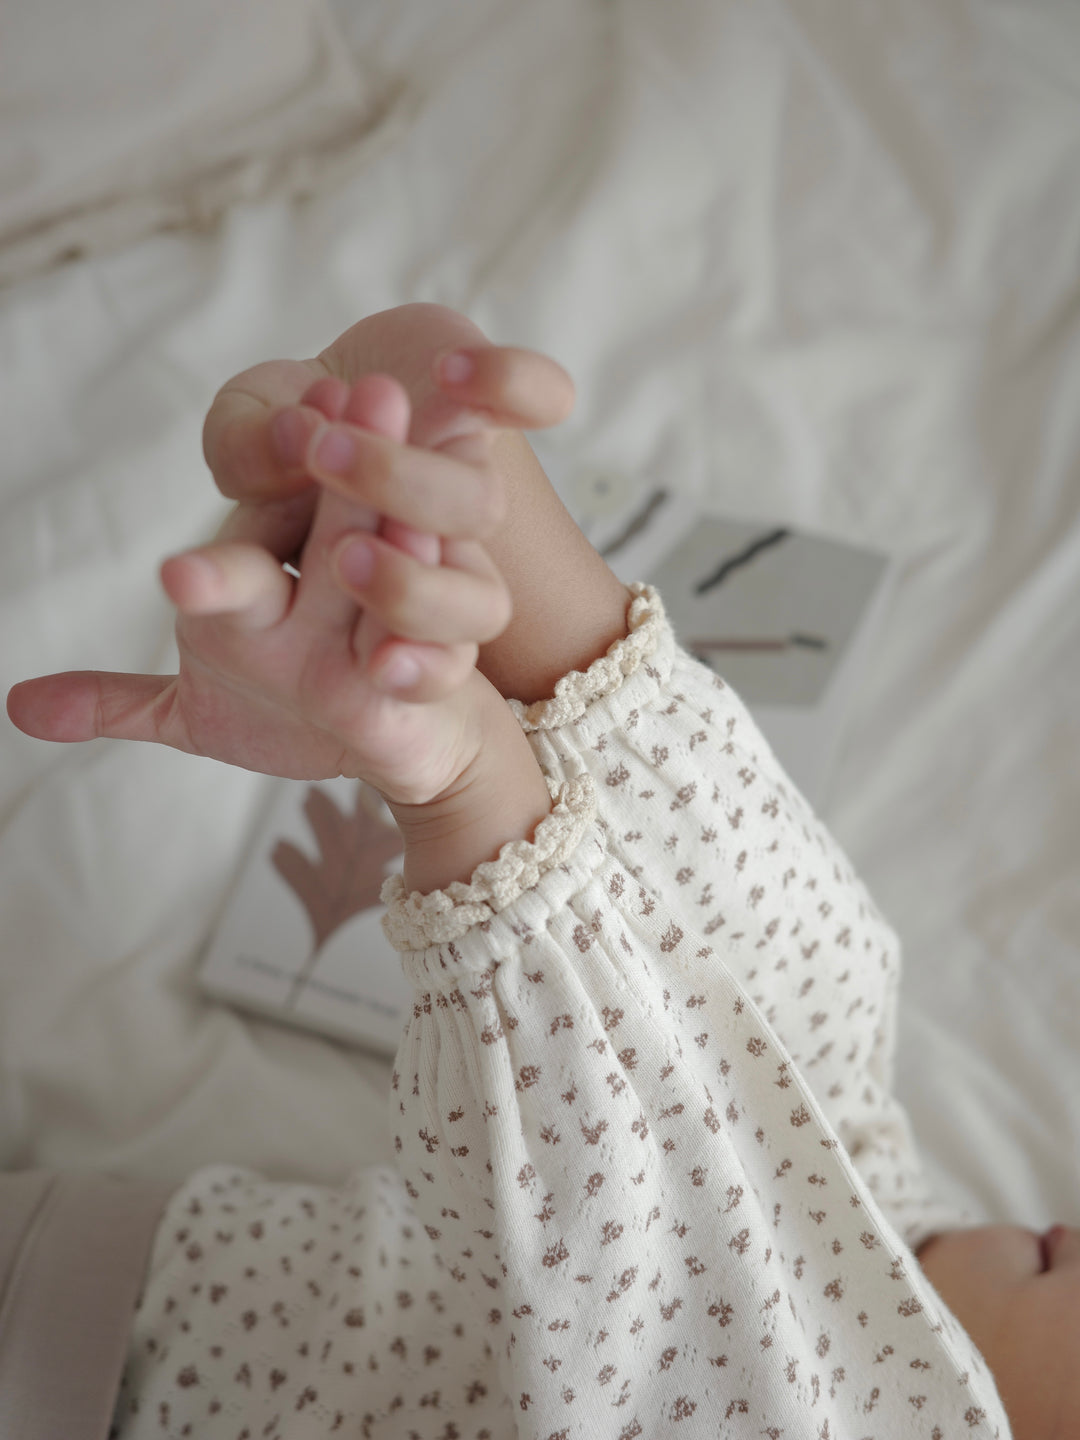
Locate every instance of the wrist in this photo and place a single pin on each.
(569, 606)
(499, 796)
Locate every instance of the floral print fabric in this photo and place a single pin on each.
(652, 1177)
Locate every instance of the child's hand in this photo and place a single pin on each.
(293, 678)
(568, 605)
(265, 423)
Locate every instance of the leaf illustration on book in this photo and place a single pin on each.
(354, 851)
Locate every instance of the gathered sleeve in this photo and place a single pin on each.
(694, 804)
(632, 1188)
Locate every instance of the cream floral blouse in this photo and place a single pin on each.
(652, 1180)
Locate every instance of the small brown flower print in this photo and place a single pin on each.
(623, 1283)
(591, 1133)
(547, 1209)
(555, 1255)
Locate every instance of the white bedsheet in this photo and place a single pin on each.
(811, 262)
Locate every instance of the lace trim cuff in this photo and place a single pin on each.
(578, 689)
(416, 921)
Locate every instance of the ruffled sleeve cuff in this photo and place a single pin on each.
(628, 677)
(416, 921)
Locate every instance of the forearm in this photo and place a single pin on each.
(500, 796)
(568, 605)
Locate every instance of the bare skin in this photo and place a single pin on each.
(1018, 1296)
(567, 605)
(295, 676)
(437, 484)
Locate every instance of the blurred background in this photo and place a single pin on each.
(811, 265)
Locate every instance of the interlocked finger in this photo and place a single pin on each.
(464, 599)
(278, 526)
(422, 488)
(240, 581)
(251, 455)
(419, 674)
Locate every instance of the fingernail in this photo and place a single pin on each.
(204, 565)
(455, 369)
(356, 563)
(400, 671)
(289, 433)
(334, 451)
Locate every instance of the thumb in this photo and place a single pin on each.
(81, 705)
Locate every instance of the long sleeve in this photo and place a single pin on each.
(695, 805)
(630, 1180)
(650, 1171)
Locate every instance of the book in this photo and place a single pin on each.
(786, 617)
(301, 938)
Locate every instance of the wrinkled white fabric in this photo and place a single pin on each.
(125, 119)
(651, 1171)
